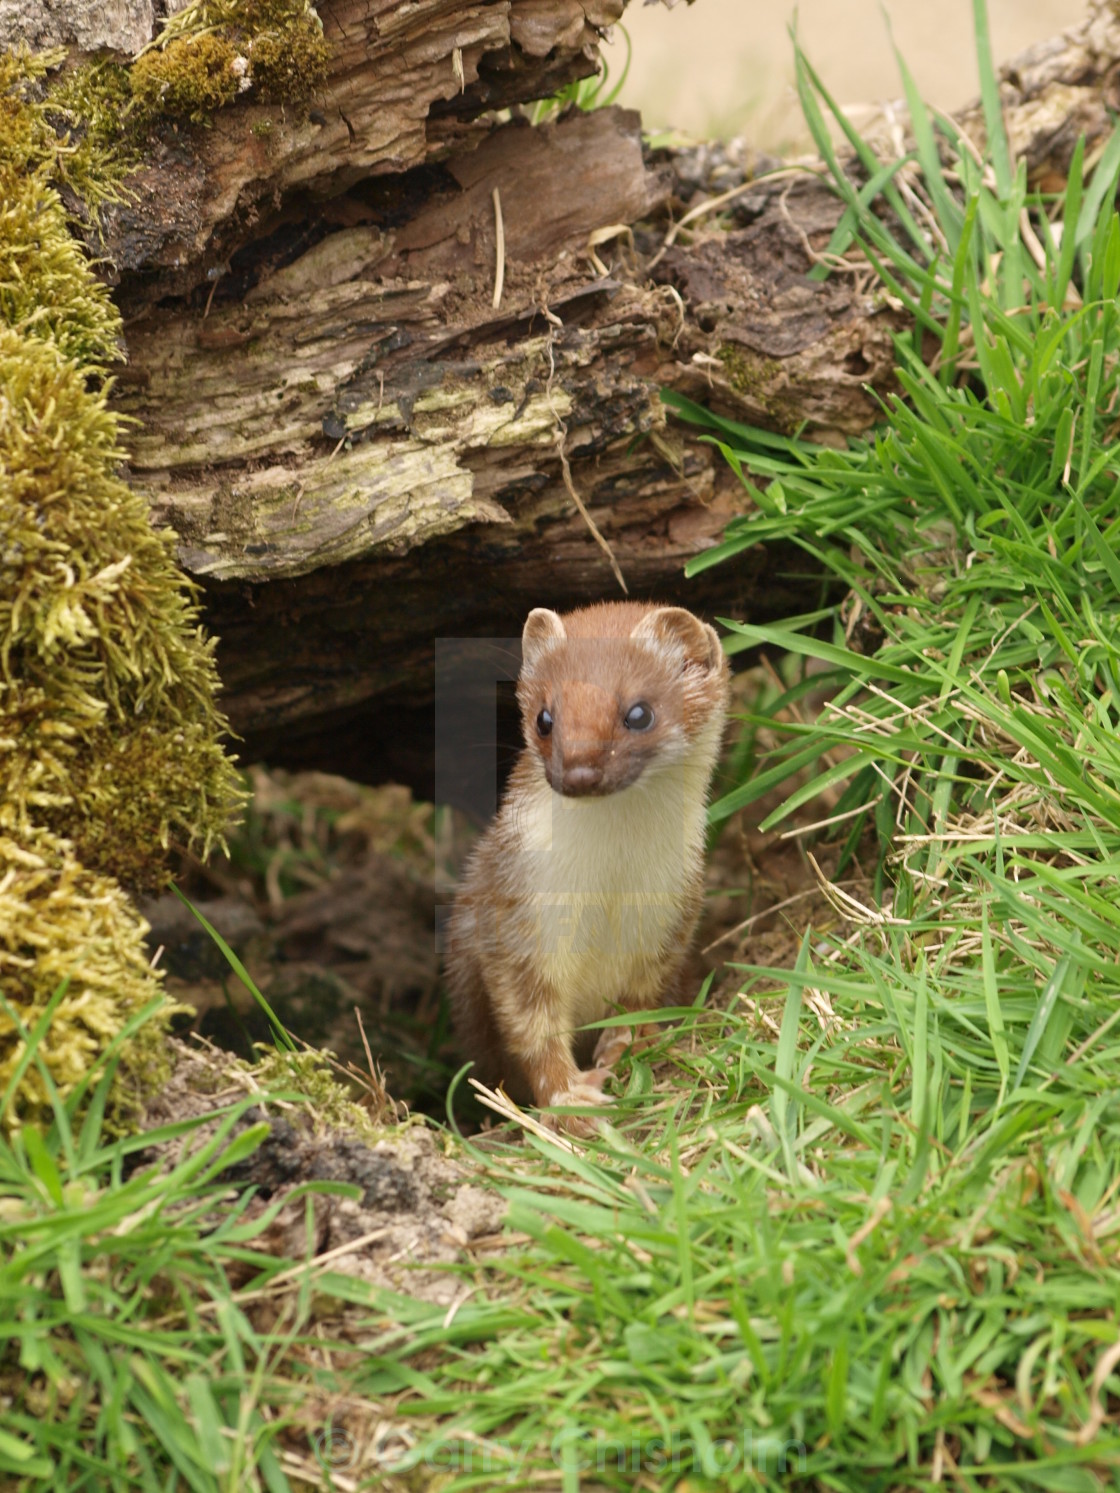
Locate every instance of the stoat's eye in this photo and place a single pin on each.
(639, 717)
(544, 724)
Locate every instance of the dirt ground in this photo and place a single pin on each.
(725, 67)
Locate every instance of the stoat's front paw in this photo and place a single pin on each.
(586, 1090)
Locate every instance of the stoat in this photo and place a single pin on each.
(583, 895)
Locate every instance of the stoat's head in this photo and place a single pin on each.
(617, 690)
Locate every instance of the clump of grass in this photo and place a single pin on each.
(133, 1352)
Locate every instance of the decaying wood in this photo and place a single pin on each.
(363, 408)
(360, 454)
(406, 86)
(366, 398)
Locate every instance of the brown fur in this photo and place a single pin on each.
(583, 895)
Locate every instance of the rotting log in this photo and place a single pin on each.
(363, 431)
(361, 453)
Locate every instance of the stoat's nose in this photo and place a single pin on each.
(585, 778)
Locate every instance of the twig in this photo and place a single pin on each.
(561, 436)
(809, 829)
(566, 471)
(1097, 1412)
(675, 296)
(365, 1043)
(757, 917)
(831, 261)
(849, 907)
(499, 250)
(604, 236)
(502, 1105)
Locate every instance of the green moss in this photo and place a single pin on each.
(97, 141)
(88, 124)
(191, 77)
(110, 739)
(24, 134)
(71, 123)
(748, 374)
(333, 1106)
(276, 46)
(63, 925)
(45, 285)
(289, 65)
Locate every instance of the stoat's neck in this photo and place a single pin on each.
(646, 838)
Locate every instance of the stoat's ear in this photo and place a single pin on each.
(543, 630)
(680, 632)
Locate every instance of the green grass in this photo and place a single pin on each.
(862, 1231)
(127, 1357)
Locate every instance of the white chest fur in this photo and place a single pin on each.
(607, 878)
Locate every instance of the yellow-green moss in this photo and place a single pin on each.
(62, 924)
(24, 134)
(87, 124)
(45, 285)
(110, 739)
(71, 122)
(747, 373)
(108, 729)
(191, 77)
(88, 107)
(274, 49)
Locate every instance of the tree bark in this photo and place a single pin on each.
(363, 447)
